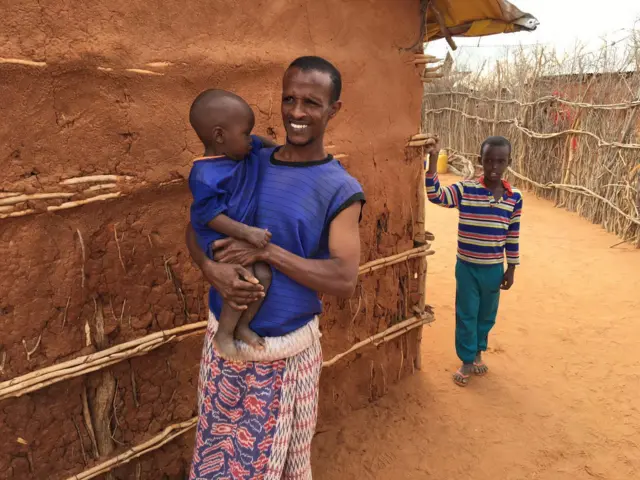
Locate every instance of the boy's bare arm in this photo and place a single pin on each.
(257, 237)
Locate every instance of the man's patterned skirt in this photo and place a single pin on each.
(256, 419)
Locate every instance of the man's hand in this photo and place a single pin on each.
(508, 279)
(230, 250)
(234, 283)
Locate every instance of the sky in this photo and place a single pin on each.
(563, 23)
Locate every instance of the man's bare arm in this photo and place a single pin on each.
(337, 275)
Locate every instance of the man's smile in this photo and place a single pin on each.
(298, 127)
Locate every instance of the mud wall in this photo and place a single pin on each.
(106, 90)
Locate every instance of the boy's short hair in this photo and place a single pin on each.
(495, 141)
(205, 111)
(318, 64)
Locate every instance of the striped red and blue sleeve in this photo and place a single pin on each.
(513, 235)
(448, 197)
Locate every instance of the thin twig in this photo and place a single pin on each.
(134, 389)
(66, 311)
(33, 350)
(357, 309)
(113, 311)
(166, 269)
(94, 178)
(173, 394)
(84, 454)
(84, 259)
(115, 234)
(114, 417)
(86, 414)
(618, 244)
(124, 303)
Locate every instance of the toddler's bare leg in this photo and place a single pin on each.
(263, 273)
(223, 339)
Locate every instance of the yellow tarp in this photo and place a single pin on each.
(475, 18)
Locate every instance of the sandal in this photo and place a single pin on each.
(460, 378)
(480, 369)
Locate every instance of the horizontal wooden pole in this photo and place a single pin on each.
(80, 366)
(175, 430)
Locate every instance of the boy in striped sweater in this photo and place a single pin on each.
(489, 227)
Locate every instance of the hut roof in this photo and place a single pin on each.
(447, 18)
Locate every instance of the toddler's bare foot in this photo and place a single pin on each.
(224, 346)
(248, 336)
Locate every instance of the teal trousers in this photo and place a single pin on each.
(477, 299)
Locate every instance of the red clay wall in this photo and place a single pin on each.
(84, 114)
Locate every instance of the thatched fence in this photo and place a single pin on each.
(575, 135)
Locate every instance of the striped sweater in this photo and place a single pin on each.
(487, 227)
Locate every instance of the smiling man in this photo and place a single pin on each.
(257, 415)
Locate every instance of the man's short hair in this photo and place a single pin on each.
(496, 141)
(318, 64)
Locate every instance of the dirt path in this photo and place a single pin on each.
(562, 398)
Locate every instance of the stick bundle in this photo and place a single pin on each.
(175, 430)
(168, 434)
(374, 265)
(382, 337)
(77, 203)
(80, 366)
(44, 377)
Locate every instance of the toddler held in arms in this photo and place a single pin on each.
(223, 183)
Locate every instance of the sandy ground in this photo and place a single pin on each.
(561, 400)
